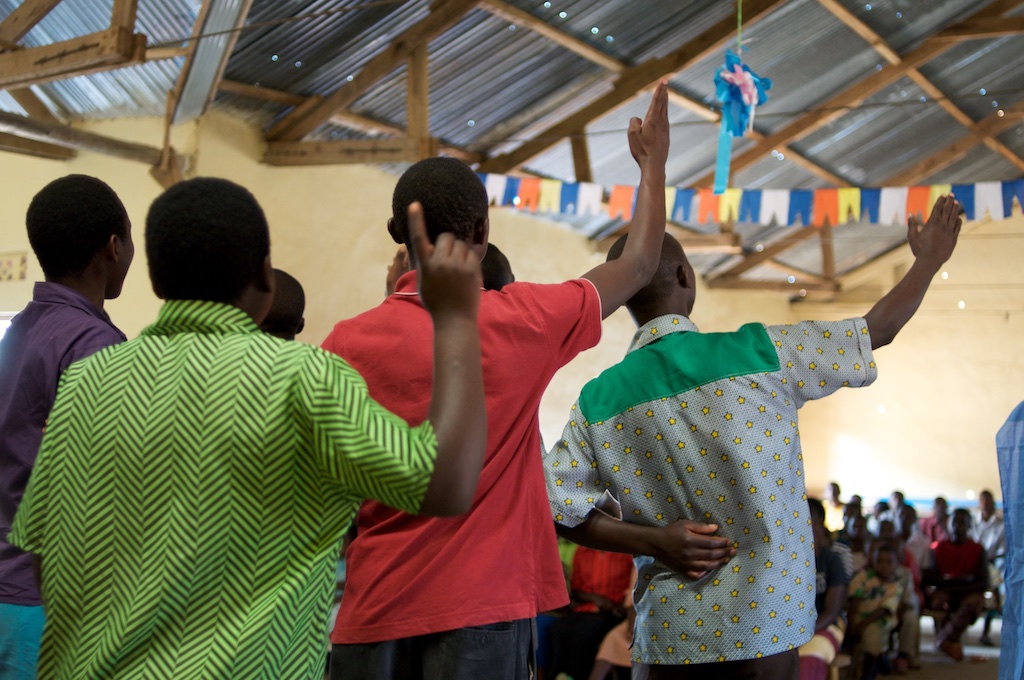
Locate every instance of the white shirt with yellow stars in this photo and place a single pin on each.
(703, 426)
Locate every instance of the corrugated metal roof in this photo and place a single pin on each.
(494, 86)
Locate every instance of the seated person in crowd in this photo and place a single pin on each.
(910, 610)
(875, 597)
(835, 509)
(879, 512)
(987, 527)
(831, 586)
(988, 530)
(857, 539)
(934, 527)
(194, 484)
(955, 584)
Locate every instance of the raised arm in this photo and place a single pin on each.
(450, 282)
(620, 279)
(932, 244)
(690, 548)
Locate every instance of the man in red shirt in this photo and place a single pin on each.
(455, 598)
(959, 577)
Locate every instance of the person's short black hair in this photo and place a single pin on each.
(664, 279)
(206, 239)
(70, 220)
(817, 510)
(451, 193)
(496, 269)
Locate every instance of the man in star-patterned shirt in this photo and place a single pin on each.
(703, 426)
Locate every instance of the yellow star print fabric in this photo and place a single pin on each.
(703, 426)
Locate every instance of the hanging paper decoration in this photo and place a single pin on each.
(740, 90)
(878, 205)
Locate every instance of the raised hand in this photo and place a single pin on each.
(648, 139)
(449, 271)
(692, 549)
(398, 266)
(934, 241)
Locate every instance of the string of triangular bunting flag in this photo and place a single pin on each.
(886, 205)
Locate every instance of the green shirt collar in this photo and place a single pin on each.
(659, 327)
(200, 316)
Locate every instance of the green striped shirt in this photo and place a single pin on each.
(191, 494)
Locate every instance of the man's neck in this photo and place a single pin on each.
(84, 287)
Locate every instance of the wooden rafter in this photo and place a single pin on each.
(417, 101)
(342, 118)
(63, 135)
(522, 18)
(736, 283)
(692, 242)
(123, 13)
(984, 27)
(529, 21)
(13, 28)
(581, 158)
(31, 147)
(854, 95)
(786, 241)
(109, 49)
(385, 150)
(443, 15)
(19, 22)
(631, 82)
(990, 126)
(880, 46)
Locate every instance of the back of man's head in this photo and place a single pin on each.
(206, 239)
(451, 193)
(284, 320)
(70, 220)
(496, 269)
(665, 282)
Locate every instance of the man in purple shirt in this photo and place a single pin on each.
(81, 235)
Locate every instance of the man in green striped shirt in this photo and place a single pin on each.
(192, 489)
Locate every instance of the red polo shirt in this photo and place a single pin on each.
(410, 575)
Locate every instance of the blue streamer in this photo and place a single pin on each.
(740, 90)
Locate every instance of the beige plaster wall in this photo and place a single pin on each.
(946, 384)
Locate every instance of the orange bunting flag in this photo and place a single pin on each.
(621, 201)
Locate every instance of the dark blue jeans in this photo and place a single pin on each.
(496, 651)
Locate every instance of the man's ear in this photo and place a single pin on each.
(396, 234)
(683, 277)
(112, 251)
(265, 284)
(481, 230)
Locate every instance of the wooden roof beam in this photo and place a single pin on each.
(103, 51)
(343, 118)
(877, 42)
(983, 28)
(20, 21)
(736, 283)
(32, 147)
(854, 95)
(783, 243)
(443, 15)
(63, 135)
(386, 150)
(692, 242)
(629, 83)
(524, 19)
(990, 126)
